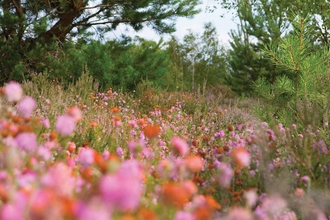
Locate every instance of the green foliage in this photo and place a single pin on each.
(32, 32)
(199, 60)
(303, 94)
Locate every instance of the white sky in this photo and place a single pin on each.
(223, 25)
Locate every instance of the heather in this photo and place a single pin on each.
(73, 153)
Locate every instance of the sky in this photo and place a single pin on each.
(223, 25)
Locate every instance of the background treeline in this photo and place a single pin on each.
(279, 51)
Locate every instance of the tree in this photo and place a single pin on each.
(34, 25)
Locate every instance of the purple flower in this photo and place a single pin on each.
(26, 141)
(26, 106)
(65, 125)
(13, 91)
(220, 134)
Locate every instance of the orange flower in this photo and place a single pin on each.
(151, 131)
(115, 110)
(116, 118)
(194, 163)
(93, 124)
(147, 214)
(175, 195)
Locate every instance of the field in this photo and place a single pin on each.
(73, 153)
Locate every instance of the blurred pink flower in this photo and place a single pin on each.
(65, 125)
(273, 204)
(226, 174)
(75, 112)
(240, 213)
(251, 197)
(182, 215)
(180, 146)
(60, 179)
(13, 91)
(27, 141)
(123, 190)
(26, 106)
(95, 210)
(45, 122)
(86, 157)
(11, 212)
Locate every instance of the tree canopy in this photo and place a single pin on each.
(45, 19)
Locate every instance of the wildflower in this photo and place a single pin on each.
(75, 113)
(26, 141)
(226, 174)
(180, 146)
(174, 194)
(13, 91)
(11, 212)
(86, 157)
(220, 134)
(273, 204)
(299, 192)
(182, 215)
(240, 213)
(45, 122)
(95, 210)
(151, 131)
(65, 125)
(241, 157)
(115, 110)
(194, 163)
(26, 106)
(251, 197)
(121, 191)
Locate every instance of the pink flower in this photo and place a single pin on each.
(123, 190)
(10, 212)
(76, 113)
(180, 146)
(95, 211)
(60, 179)
(86, 157)
(182, 215)
(13, 91)
(26, 106)
(45, 122)
(26, 141)
(226, 174)
(240, 213)
(65, 125)
(273, 205)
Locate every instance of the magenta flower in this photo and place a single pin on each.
(26, 141)
(123, 190)
(86, 157)
(26, 106)
(10, 212)
(180, 146)
(13, 91)
(65, 125)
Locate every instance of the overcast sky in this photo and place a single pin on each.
(223, 25)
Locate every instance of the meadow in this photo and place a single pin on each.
(71, 152)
